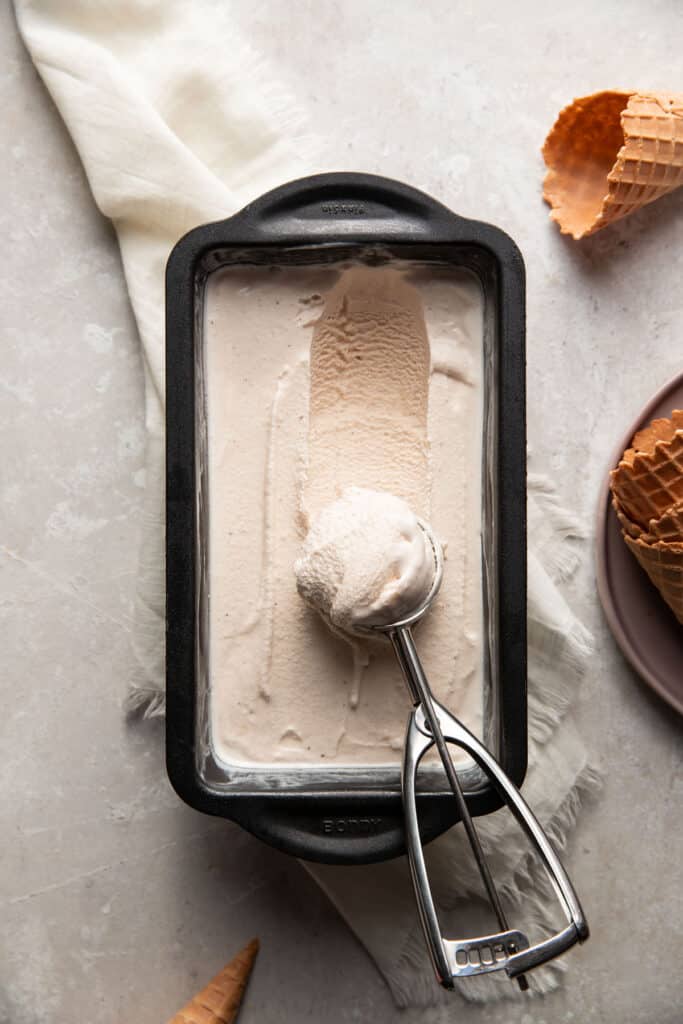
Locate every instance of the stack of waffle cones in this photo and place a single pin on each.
(220, 1001)
(647, 495)
(610, 154)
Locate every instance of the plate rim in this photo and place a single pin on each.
(602, 519)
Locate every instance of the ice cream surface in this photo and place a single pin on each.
(319, 379)
(366, 561)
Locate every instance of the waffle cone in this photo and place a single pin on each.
(610, 154)
(664, 565)
(627, 525)
(648, 484)
(658, 430)
(669, 526)
(220, 1001)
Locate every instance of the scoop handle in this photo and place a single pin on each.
(507, 950)
(406, 652)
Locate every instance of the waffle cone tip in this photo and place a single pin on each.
(219, 1001)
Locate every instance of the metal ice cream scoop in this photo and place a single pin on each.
(429, 725)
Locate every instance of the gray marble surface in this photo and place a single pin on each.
(118, 901)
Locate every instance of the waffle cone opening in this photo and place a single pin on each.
(610, 154)
(580, 152)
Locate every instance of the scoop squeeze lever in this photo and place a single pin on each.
(429, 725)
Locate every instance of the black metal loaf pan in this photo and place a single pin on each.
(348, 816)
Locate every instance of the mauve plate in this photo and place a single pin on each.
(644, 627)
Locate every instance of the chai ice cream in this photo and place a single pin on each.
(324, 386)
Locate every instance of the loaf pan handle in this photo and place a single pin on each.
(358, 207)
(334, 830)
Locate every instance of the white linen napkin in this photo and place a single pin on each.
(178, 123)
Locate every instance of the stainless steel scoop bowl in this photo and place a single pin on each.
(429, 725)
